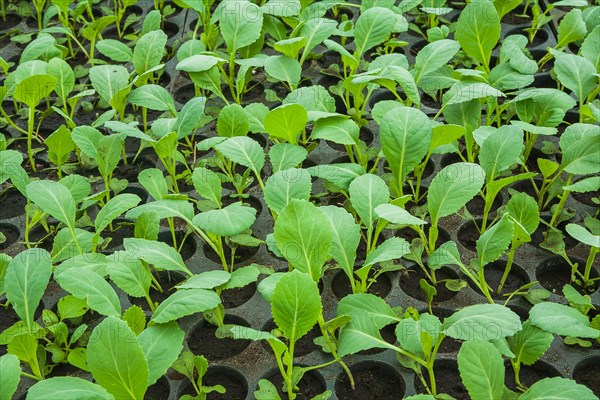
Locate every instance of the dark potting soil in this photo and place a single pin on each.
(168, 280)
(447, 379)
(516, 17)
(586, 198)
(159, 391)
(185, 93)
(587, 373)
(311, 385)
(122, 231)
(468, 234)
(250, 201)
(304, 345)
(232, 298)
(529, 374)
(526, 187)
(131, 170)
(477, 204)
(202, 340)
(554, 273)
(186, 249)
(493, 272)
(409, 235)
(540, 37)
(532, 160)
(45, 239)
(11, 21)
(12, 204)
(388, 333)
(372, 380)
(242, 253)
(409, 283)
(449, 345)
(340, 285)
(328, 58)
(539, 235)
(236, 387)
(364, 134)
(11, 235)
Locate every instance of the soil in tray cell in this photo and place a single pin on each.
(587, 373)
(311, 384)
(529, 374)
(447, 379)
(236, 387)
(554, 273)
(340, 285)
(159, 391)
(203, 340)
(373, 380)
(409, 283)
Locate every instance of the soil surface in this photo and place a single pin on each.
(311, 385)
(409, 283)
(447, 379)
(202, 340)
(340, 285)
(373, 380)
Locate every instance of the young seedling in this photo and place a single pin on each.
(194, 368)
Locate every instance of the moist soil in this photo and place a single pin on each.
(8, 317)
(409, 283)
(340, 285)
(159, 391)
(232, 298)
(12, 204)
(235, 386)
(493, 272)
(242, 253)
(122, 231)
(468, 234)
(168, 280)
(186, 249)
(373, 380)
(554, 273)
(202, 340)
(311, 385)
(449, 345)
(477, 204)
(11, 235)
(539, 235)
(131, 170)
(587, 374)
(447, 379)
(529, 374)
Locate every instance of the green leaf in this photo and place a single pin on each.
(165, 209)
(241, 24)
(452, 188)
(115, 50)
(590, 48)
(159, 254)
(10, 377)
(153, 97)
(207, 184)
(285, 155)
(446, 254)
(494, 242)
(478, 30)
(405, 136)
(562, 320)
(284, 69)
(244, 151)
(87, 139)
(116, 360)
(337, 129)
(129, 274)
(109, 80)
(524, 211)
(154, 182)
(185, 302)
(392, 249)
(580, 151)
(33, 89)
(27, 275)
(198, 63)
(266, 391)
(65, 78)
(242, 277)
(488, 322)
(577, 74)
(397, 215)
(109, 154)
(434, 56)
(67, 388)
(115, 207)
(505, 6)
(372, 28)
(296, 304)
(189, 117)
(161, 344)
(283, 186)
(302, 238)
(316, 30)
(583, 235)
(88, 285)
(585, 185)
(286, 122)
(206, 280)
(232, 121)
(55, 199)
(346, 237)
(149, 51)
(530, 343)
(361, 333)
(360, 303)
(417, 336)
(481, 369)
(366, 193)
(228, 221)
(312, 98)
(557, 389)
(60, 145)
(500, 150)
(571, 28)
(340, 175)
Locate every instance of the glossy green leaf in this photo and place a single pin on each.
(283, 186)
(392, 249)
(165, 209)
(228, 221)
(67, 388)
(232, 121)
(530, 343)
(366, 193)
(185, 302)
(285, 155)
(488, 322)
(481, 369)
(557, 388)
(433, 56)
(478, 30)
(65, 78)
(208, 184)
(153, 97)
(500, 150)
(284, 69)
(149, 51)
(286, 122)
(346, 237)
(159, 254)
(241, 24)
(113, 208)
(494, 242)
(10, 377)
(577, 74)
(161, 344)
(115, 50)
(562, 320)
(397, 215)
(109, 80)
(337, 129)
(88, 285)
(33, 89)
(372, 28)
(357, 303)
(244, 151)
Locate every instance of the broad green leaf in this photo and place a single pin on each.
(55, 199)
(240, 24)
(452, 188)
(571, 28)
(286, 122)
(312, 98)
(109, 80)
(463, 92)
(530, 343)
(580, 150)
(67, 243)
(87, 139)
(244, 151)
(397, 215)
(189, 117)
(577, 74)
(115, 50)
(129, 274)
(10, 377)
(488, 322)
(494, 242)
(372, 28)
(228, 221)
(284, 69)
(361, 333)
(302, 238)
(60, 145)
(557, 389)
(337, 129)
(285, 155)
(434, 56)
(33, 89)
(87, 284)
(116, 360)
(505, 6)
(185, 302)
(153, 97)
(93, 261)
(159, 254)
(198, 63)
(583, 235)
(346, 237)
(232, 121)
(206, 280)
(296, 304)
(315, 30)
(405, 136)
(366, 193)
(585, 185)
(414, 335)
(340, 175)
(67, 388)
(115, 207)
(207, 184)
(242, 277)
(154, 182)
(391, 249)
(524, 210)
(562, 320)
(165, 209)
(446, 254)
(478, 30)
(500, 150)
(283, 186)
(109, 154)
(149, 51)
(161, 344)
(65, 78)
(27, 275)
(590, 48)
(358, 303)
(481, 369)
